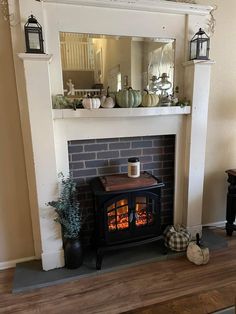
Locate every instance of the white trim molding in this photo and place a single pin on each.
(197, 89)
(143, 5)
(53, 259)
(35, 56)
(12, 263)
(120, 112)
(191, 62)
(40, 114)
(217, 224)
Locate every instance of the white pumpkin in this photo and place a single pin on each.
(91, 103)
(149, 100)
(197, 254)
(107, 102)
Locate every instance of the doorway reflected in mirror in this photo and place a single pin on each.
(92, 63)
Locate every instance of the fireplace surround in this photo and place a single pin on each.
(50, 130)
(99, 157)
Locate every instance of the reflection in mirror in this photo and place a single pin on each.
(92, 63)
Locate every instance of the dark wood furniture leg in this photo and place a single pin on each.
(231, 202)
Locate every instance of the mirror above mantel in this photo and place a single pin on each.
(91, 63)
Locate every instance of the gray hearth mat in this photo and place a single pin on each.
(30, 275)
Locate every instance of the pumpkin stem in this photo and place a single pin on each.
(108, 87)
(130, 88)
(145, 90)
(198, 239)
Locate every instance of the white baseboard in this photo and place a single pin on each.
(12, 263)
(198, 229)
(217, 224)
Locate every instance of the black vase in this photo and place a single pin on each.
(73, 253)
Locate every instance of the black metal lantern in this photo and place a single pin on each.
(33, 36)
(200, 46)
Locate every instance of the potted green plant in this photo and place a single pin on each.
(69, 216)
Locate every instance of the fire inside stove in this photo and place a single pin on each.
(120, 216)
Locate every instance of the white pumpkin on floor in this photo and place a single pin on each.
(196, 253)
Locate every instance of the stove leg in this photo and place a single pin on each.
(99, 259)
(164, 249)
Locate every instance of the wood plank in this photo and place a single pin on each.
(204, 302)
(172, 285)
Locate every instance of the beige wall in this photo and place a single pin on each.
(221, 138)
(16, 240)
(15, 224)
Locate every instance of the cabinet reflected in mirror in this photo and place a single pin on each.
(92, 63)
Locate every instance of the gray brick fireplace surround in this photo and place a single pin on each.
(91, 158)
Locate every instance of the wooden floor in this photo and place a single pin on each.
(165, 287)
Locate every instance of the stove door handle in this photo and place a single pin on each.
(131, 216)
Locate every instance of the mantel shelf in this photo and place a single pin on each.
(119, 112)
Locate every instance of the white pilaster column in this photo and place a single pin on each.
(36, 68)
(197, 88)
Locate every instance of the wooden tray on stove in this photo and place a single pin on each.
(121, 181)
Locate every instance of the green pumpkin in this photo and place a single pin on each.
(128, 98)
(150, 100)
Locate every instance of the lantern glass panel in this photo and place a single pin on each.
(34, 40)
(203, 49)
(193, 50)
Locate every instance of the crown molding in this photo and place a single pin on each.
(192, 62)
(162, 6)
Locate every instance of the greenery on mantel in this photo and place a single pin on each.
(68, 209)
(64, 102)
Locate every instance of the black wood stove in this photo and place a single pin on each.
(127, 216)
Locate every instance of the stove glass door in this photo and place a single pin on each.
(118, 215)
(144, 211)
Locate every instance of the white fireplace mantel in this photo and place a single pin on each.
(50, 130)
(50, 139)
(120, 112)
